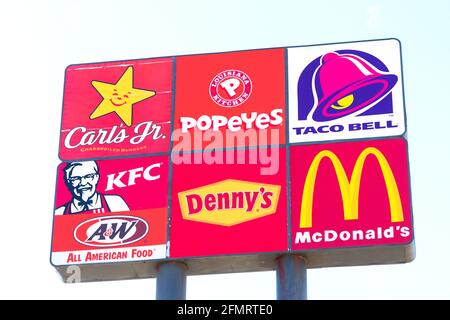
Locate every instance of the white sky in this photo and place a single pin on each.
(38, 39)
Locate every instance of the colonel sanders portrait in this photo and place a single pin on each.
(81, 179)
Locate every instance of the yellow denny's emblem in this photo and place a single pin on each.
(229, 202)
(119, 97)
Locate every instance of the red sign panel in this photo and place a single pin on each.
(229, 187)
(116, 109)
(350, 195)
(230, 94)
(111, 210)
(229, 208)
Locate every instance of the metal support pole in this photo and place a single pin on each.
(171, 281)
(291, 277)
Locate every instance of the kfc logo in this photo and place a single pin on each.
(81, 179)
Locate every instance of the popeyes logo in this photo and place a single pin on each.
(229, 202)
(230, 88)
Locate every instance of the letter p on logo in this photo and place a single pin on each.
(230, 86)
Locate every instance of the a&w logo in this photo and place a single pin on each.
(111, 231)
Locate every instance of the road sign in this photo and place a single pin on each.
(228, 208)
(345, 91)
(116, 109)
(231, 94)
(111, 211)
(352, 195)
(229, 161)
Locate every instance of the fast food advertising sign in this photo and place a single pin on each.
(111, 210)
(227, 160)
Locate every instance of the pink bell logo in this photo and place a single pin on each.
(344, 82)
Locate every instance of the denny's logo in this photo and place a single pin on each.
(350, 188)
(229, 202)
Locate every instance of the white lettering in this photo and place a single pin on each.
(204, 123)
(248, 121)
(147, 172)
(115, 181)
(187, 123)
(234, 123)
(330, 235)
(230, 85)
(277, 119)
(302, 237)
(218, 122)
(133, 175)
(80, 136)
(317, 237)
(354, 235)
(149, 129)
(262, 121)
(67, 141)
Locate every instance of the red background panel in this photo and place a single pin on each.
(146, 199)
(191, 238)
(374, 210)
(142, 195)
(264, 67)
(64, 227)
(81, 99)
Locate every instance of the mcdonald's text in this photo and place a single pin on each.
(378, 233)
(351, 194)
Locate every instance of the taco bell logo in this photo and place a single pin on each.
(343, 93)
(344, 82)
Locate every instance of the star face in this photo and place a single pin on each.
(119, 97)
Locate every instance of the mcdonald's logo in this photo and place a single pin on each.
(350, 188)
(350, 194)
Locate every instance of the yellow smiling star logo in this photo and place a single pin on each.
(119, 97)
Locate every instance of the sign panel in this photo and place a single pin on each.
(241, 192)
(230, 99)
(227, 207)
(116, 109)
(350, 195)
(345, 91)
(110, 211)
